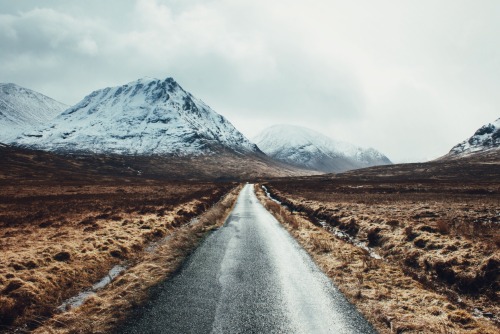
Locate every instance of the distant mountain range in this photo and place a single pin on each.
(309, 149)
(22, 108)
(143, 117)
(152, 117)
(485, 140)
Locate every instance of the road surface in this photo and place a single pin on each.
(250, 276)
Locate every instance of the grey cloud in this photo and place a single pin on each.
(356, 72)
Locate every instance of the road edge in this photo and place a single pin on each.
(108, 308)
(349, 266)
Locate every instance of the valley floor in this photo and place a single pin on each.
(58, 239)
(414, 247)
(249, 276)
(413, 256)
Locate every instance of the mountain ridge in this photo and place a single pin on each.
(22, 108)
(485, 139)
(306, 148)
(146, 117)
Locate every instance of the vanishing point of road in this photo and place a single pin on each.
(250, 276)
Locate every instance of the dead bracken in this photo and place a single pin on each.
(77, 231)
(440, 263)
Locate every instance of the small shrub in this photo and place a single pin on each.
(46, 223)
(460, 316)
(445, 272)
(321, 245)
(409, 233)
(116, 253)
(293, 222)
(393, 223)
(373, 236)
(273, 207)
(31, 264)
(12, 286)
(62, 256)
(411, 259)
(443, 226)
(351, 227)
(420, 242)
(8, 311)
(427, 228)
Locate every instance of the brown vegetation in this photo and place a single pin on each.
(27, 166)
(437, 237)
(105, 310)
(57, 239)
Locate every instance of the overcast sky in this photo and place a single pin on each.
(409, 78)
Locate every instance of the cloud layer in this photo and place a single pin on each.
(408, 78)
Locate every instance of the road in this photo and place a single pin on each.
(250, 276)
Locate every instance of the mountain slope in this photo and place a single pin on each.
(22, 108)
(485, 139)
(309, 149)
(24, 166)
(144, 117)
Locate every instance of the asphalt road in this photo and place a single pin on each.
(249, 276)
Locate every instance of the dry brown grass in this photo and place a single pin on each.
(56, 240)
(24, 166)
(445, 238)
(108, 308)
(383, 290)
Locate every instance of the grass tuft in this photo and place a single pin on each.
(427, 281)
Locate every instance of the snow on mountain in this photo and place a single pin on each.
(144, 117)
(309, 149)
(487, 138)
(22, 108)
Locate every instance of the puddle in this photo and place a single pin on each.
(335, 231)
(78, 300)
(346, 237)
(269, 195)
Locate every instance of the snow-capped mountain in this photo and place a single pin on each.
(22, 108)
(309, 149)
(487, 138)
(144, 117)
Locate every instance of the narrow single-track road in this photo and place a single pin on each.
(250, 276)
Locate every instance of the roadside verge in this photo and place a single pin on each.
(104, 310)
(390, 300)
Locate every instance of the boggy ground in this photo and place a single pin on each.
(442, 233)
(57, 238)
(25, 166)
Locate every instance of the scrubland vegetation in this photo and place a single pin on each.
(437, 242)
(57, 240)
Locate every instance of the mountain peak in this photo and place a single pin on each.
(152, 81)
(310, 149)
(145, 117)
(486, 138)
(22, 108)
(9, 85)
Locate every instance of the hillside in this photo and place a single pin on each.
(309, 149)
(144, 117)
(485, 139)
(22, 108)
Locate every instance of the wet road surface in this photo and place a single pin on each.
(250, 276)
